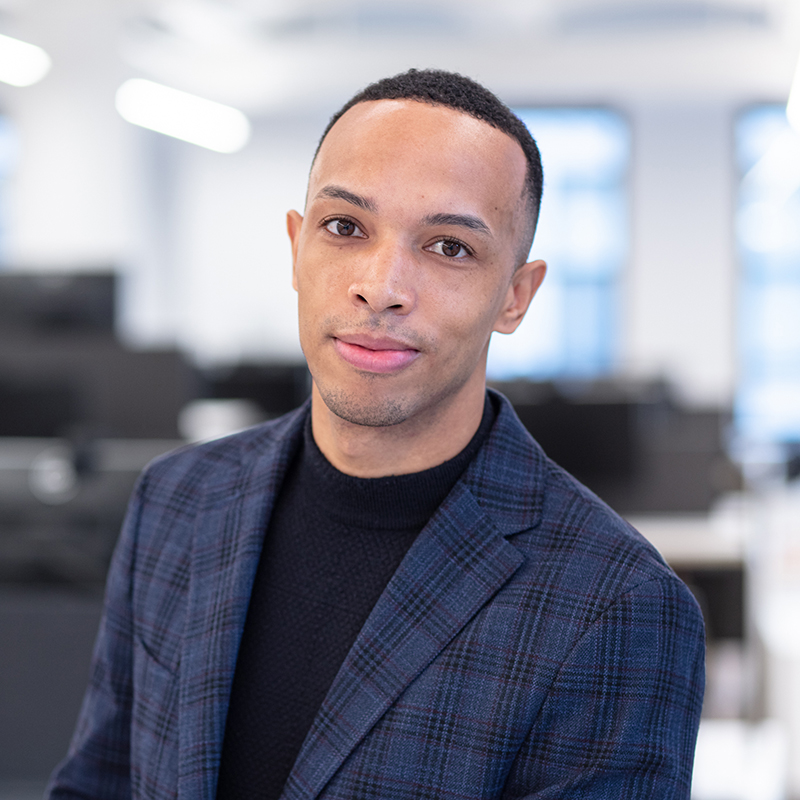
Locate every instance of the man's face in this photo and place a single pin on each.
(405, 261)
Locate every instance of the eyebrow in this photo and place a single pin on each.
(461, 220)
(340, 193)
(469, 221)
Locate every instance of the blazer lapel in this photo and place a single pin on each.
(456, 565)
(227, 544)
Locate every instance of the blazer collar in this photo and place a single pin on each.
(507, 475)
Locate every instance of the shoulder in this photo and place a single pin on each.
(184, 490)
(568, 536)
(178, 487)
(597, 554)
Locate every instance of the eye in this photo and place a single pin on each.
(451, 248)
(342, 226)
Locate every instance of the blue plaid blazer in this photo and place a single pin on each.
(531, 643)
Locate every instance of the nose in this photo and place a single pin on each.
(385, 280)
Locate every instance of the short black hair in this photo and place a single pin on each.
(460, 93)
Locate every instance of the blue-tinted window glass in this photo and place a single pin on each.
(768, 232)
(9, 153)
(571, 328)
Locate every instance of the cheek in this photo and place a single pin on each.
(319, 280)
(473, 310)
(309, 310)
(313, 288)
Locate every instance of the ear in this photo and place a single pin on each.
(294, 222)
(524, 284)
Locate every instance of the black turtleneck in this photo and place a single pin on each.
(333, 543)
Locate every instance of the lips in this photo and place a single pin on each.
(375, 354)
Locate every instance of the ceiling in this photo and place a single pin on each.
(266, 55)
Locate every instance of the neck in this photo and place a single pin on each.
(418, 443)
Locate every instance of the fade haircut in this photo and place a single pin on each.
(451, 90)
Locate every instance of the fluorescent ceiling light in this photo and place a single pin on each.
(182, 115)
(22, 64)
(793, 106)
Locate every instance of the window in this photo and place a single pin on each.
(571, 329)
(768, 232)
(8, 162)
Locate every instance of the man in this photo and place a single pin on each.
(392, 592)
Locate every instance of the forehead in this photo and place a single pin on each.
(406, 141)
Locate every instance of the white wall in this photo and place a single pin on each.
(233, 260)
(70, 202)
(679, 291)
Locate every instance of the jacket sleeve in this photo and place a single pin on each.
(622, 715)
(98, 762)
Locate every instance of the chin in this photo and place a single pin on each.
(369, 412)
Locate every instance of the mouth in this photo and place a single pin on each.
(375, 354)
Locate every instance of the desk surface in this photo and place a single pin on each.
(715, 540)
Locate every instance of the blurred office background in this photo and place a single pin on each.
(145, 296)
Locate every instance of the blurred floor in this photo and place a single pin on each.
(21, 790)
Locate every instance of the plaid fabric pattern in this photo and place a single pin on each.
(531, 644)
